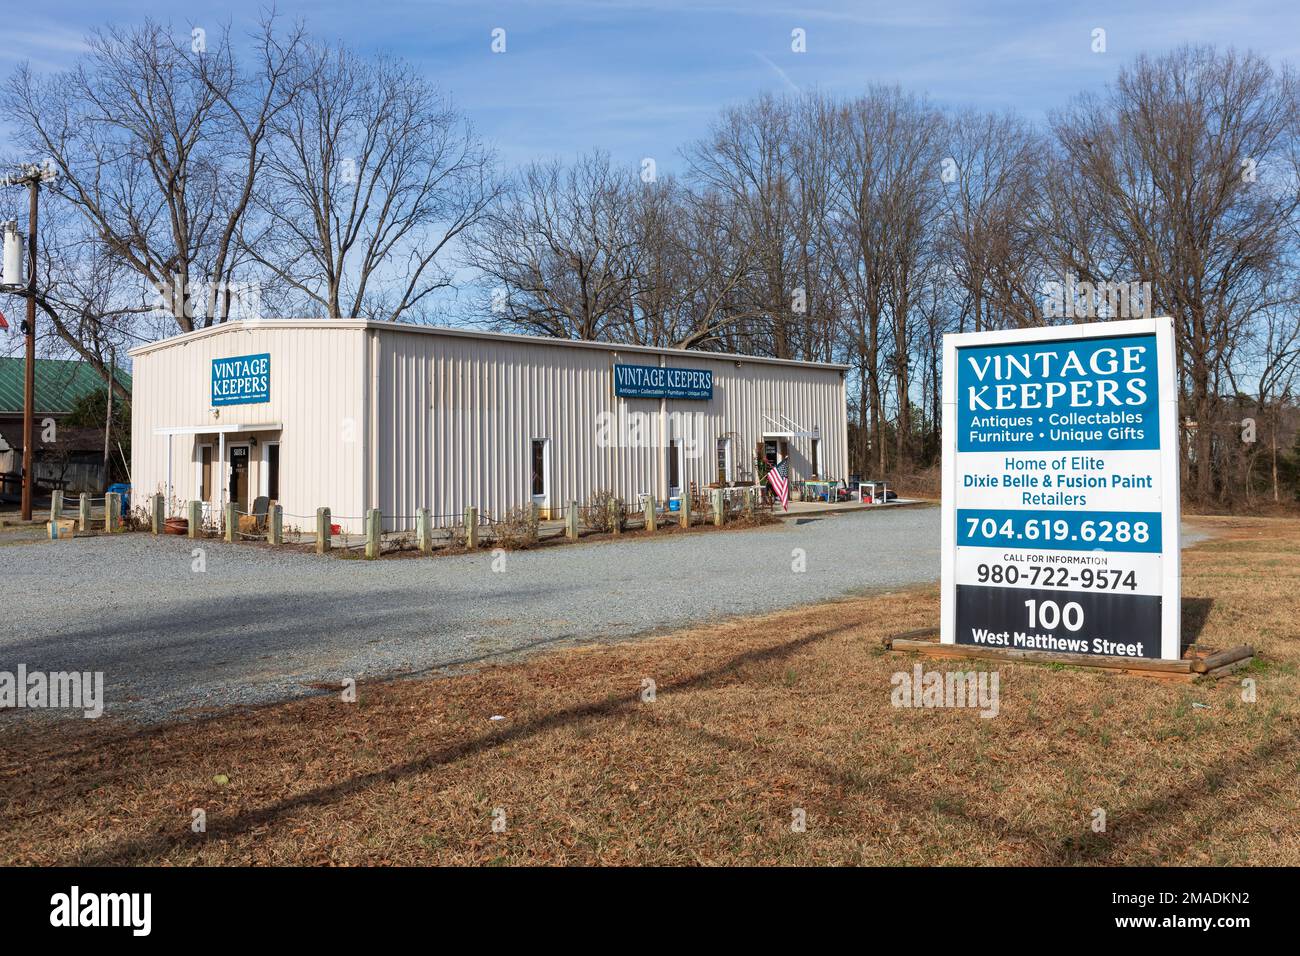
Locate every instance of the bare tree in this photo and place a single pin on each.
(1170, 170)
(766, 162)
(557, 253)
(158, 138)
(887, 174)
(991, 175)
(372, 174)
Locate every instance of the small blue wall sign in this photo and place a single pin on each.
(241, 380)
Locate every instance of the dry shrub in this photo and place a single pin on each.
(516, 530)
(924, 483)
(602, 510)
(137, 519)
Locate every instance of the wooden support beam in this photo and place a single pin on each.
(1173, 670)
(322, 530)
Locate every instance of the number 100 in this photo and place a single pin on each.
(1049, 615)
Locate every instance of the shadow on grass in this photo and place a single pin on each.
(147, 849)
(1196, 611)
(1131, 825)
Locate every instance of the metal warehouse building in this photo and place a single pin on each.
(354, 415)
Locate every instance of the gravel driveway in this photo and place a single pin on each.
(258, 626)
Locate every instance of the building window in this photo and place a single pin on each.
(726, 463)
(817, 457)
(538, 466)
(674, 467)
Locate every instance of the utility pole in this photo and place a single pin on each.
(32, 177)
(29, 377)
(108, 418)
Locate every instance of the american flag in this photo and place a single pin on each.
(778, 476)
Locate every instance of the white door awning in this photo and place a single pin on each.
(783, 427)
(219, 428)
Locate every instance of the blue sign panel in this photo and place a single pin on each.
(1135, 531)
(241, 380)
(654, 381)
(1098, 394)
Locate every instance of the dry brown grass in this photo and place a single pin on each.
(751, 720)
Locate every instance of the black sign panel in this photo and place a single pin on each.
(1064, 622)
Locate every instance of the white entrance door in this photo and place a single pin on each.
(540, 466)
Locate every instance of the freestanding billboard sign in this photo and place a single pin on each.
(1060, 490)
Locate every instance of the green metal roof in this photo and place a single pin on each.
(59, 384)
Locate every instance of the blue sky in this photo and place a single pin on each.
(645, 78)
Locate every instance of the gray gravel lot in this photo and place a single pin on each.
(259, 626)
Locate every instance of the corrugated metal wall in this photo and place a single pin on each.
(457, 417)
(379, 416)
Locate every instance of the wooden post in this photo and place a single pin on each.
(322, 530)
(232, 521)
(650, 514)
(56, 505)
(83, 516)
(717, 507)
(424, 530)
(751, 496)
(156, 514)
(615, 516)
(471, 527)
(112, 512)
(194, 510)
(276, 533)
(372, 533)
(686, 509)
(571, 522)
(534, 520)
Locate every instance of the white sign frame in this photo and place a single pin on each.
(1171, 535)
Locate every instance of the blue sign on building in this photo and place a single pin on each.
(654, 381)
(241, 380)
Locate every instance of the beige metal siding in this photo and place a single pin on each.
(457, 417)
(397, 418)
(316, 389)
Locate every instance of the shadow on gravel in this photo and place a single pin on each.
(191, 639)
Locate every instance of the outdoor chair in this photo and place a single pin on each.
(261, 505)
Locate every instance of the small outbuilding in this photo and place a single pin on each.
(354, 415)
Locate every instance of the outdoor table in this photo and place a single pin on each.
(869, 487)
(826, 489)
